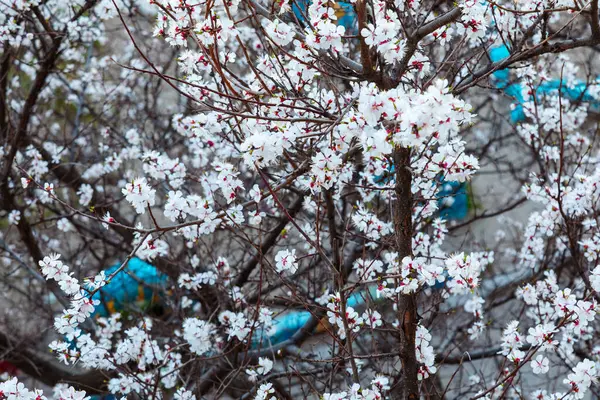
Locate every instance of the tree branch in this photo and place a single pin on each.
(557, 47)
(48, 371)
(269, 242)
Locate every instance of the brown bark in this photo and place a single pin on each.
(408, 388)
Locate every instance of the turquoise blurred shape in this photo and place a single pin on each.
(344, 11)
(139, 283)
(578, 92)
(453, 200)
(285, 325)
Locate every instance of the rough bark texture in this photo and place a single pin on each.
(408, 387)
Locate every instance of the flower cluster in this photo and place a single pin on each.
(379, 386)
(425, 354)
(354, 111)
(340, 319)
(285, 260)
(12, 389)
(140, 194)
(199, 335)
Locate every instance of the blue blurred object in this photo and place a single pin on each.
(138, 284)
(285, 325)
(346, 17)
(344, 12)
(577, 93)
(440, 285)
(453, 201)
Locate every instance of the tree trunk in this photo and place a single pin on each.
(407, 303)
